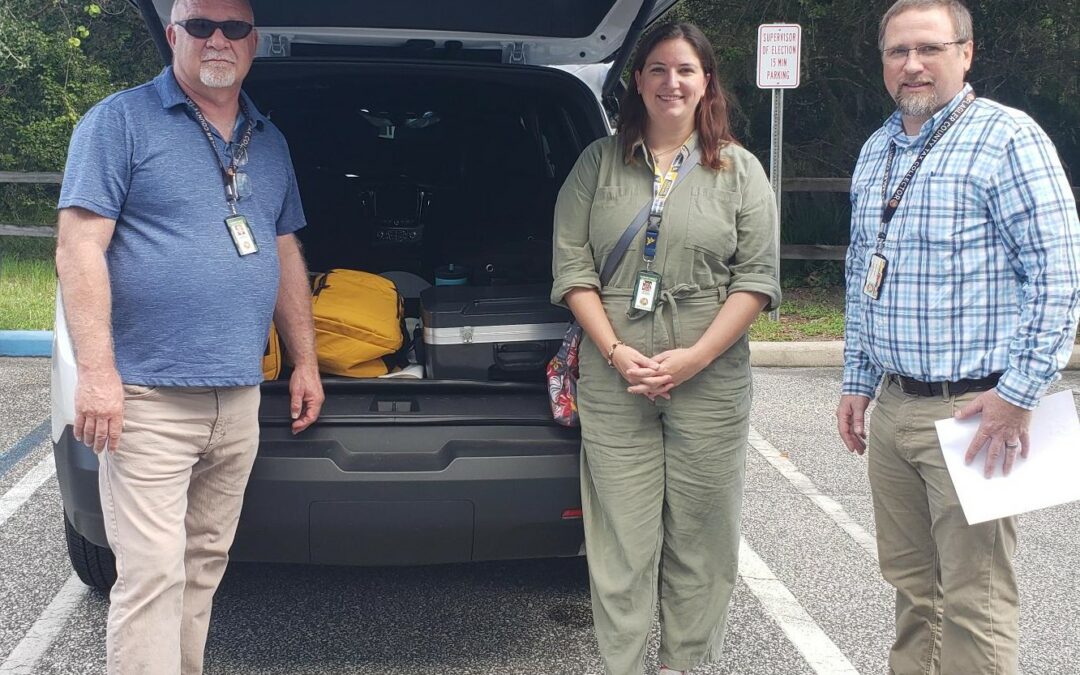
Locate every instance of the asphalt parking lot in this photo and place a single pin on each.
(809, 599)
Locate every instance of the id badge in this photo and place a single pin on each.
(241, 235)
(646, 290)
(875, 275)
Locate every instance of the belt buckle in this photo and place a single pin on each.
(945, 391)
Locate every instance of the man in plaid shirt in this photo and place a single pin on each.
(963, 292)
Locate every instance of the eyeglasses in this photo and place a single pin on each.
(204, 28)
(926, 52)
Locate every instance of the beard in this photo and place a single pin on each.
(918, 105)
(217, 74)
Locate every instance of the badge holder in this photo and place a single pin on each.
(646, 291)
(875, 275)
(647, 284)
(238, 226)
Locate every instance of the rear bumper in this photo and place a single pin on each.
(488, 493)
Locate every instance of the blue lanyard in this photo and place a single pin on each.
(662, 184)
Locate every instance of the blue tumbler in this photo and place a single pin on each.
(451, 275)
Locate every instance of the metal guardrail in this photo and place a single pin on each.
(39, 177)
(29, 178)
(27, 230)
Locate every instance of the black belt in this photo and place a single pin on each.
(914, 387)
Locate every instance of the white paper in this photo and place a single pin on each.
(408, 372)
(1050, 475)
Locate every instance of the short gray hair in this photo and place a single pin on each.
(180, 5)
(961, 17)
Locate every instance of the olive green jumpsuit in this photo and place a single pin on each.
(662, 482)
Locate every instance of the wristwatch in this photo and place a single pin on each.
(611, 352)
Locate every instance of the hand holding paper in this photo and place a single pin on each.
(1048, 476)
(1003, 429)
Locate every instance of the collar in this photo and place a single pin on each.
(171, 95)
(895, 125)
(688, 146)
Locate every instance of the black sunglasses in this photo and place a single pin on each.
(204, 28)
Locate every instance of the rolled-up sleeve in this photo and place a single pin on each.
(572, 262)
(754, 264)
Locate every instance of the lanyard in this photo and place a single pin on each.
(890, 206)
(662, 184)
(228, 173)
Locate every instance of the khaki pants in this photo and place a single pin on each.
(171, 497)
(662, 489)
(956, 595)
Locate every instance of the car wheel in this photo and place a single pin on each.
(95, 565)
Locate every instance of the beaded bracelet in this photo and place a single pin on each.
(611, 352)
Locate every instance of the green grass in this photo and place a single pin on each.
(809, 314)
(805, 314)
(27, 283)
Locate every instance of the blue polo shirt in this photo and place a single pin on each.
(187, 310)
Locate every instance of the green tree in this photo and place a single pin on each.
(1026, 56)
(58, 58)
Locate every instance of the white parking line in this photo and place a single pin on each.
(808, 637)
(26, 487)
(827, 504)
(24, 658)
(806, 487)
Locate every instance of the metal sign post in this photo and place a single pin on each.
(775, 171)
(779, 50)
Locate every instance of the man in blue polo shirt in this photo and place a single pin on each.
(175, 248)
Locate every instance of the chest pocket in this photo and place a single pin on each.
(613, 208)
(711, 222)
(605, 196)
(957, 217)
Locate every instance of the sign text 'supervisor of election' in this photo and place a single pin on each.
(779, 47)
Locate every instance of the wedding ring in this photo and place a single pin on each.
(1014, 444)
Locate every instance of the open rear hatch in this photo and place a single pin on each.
(541, 32)
(397, 112)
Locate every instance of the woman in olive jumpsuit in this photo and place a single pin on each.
(664, 396)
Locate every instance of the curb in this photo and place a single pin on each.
(824, 354)
(26, 342)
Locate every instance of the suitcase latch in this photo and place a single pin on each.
(467, 334)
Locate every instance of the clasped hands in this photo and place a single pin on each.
(655, 377)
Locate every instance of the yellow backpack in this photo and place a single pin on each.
(271, 362)
(359, 323)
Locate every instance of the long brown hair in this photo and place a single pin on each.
(711, 119)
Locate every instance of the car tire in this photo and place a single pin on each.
(95, 565)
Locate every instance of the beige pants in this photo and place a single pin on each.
(956, 596)
(171, 496)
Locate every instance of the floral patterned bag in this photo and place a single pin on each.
(562, 374)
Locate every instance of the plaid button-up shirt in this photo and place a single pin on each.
(984, 257)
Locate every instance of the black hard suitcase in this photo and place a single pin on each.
(490, 332)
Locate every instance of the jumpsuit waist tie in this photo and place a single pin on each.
(670, 297)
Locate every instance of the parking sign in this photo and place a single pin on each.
(779, 47)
